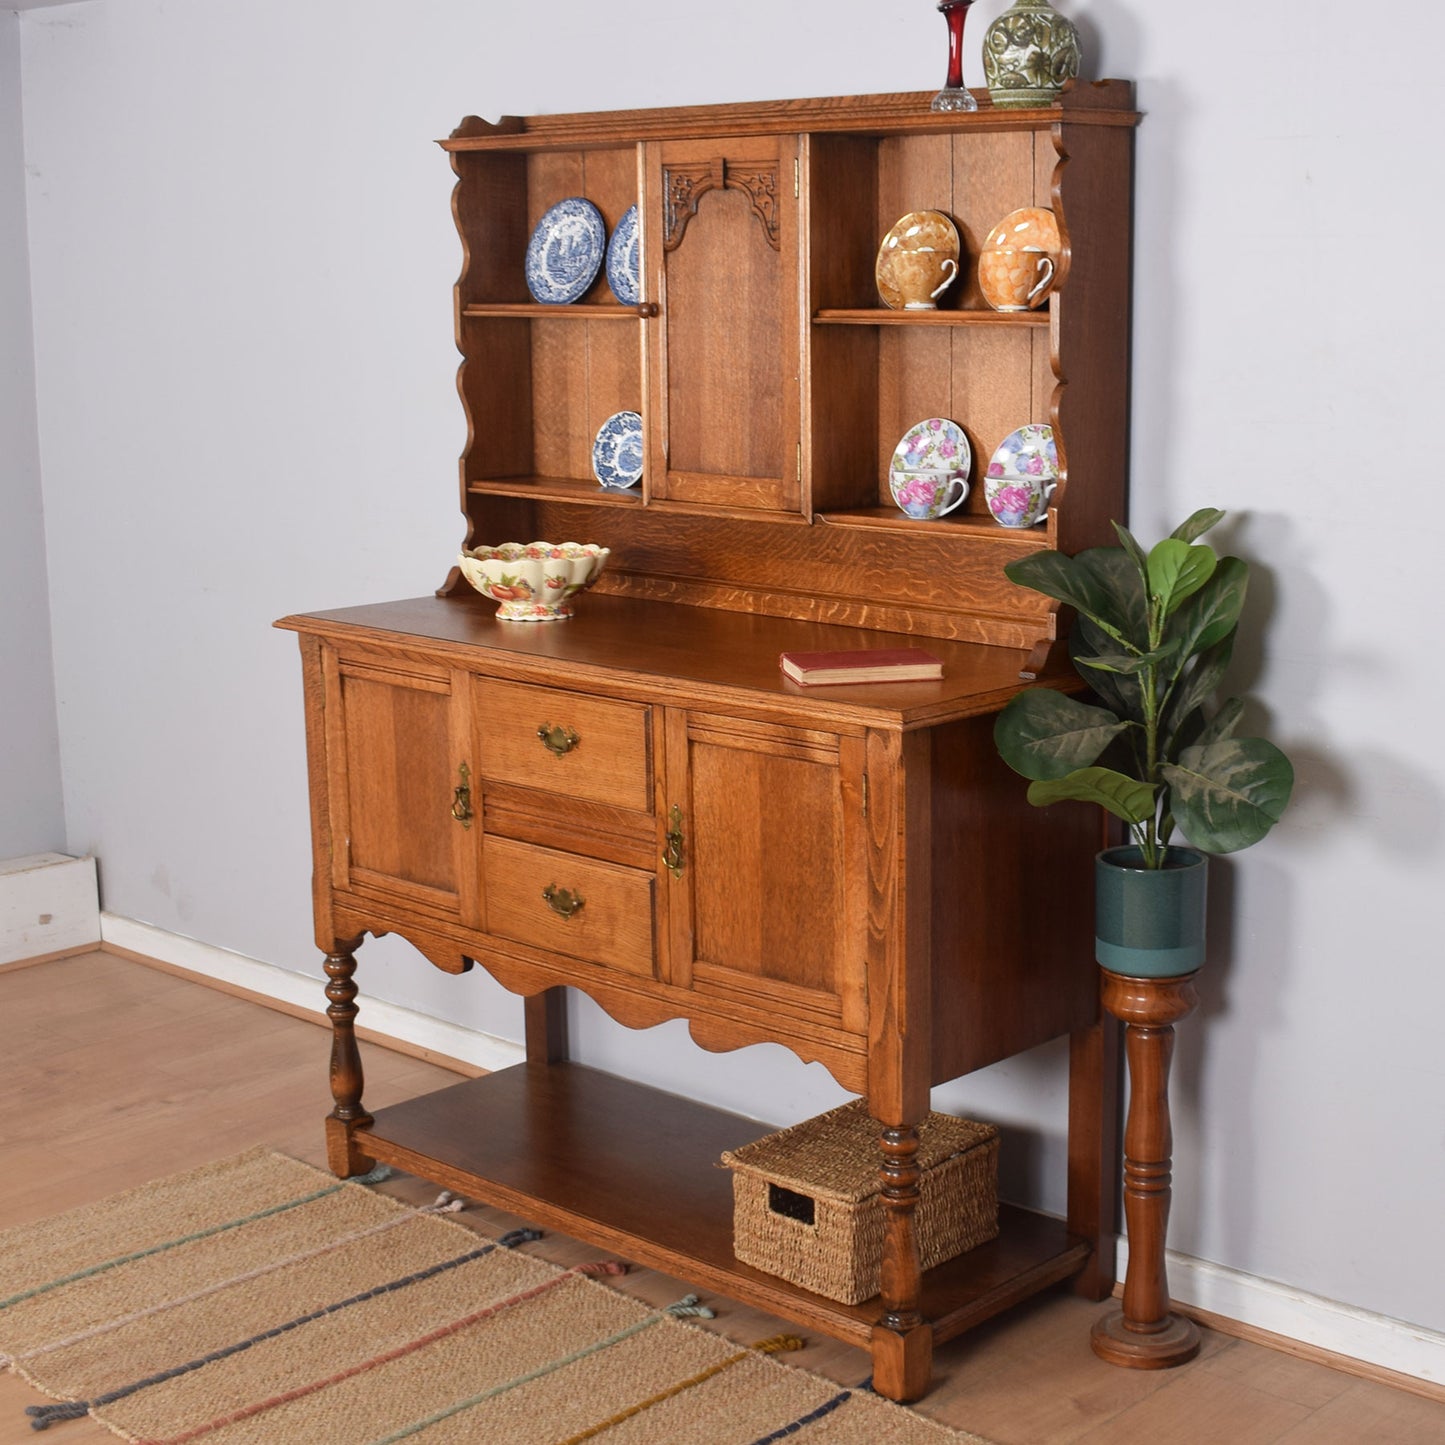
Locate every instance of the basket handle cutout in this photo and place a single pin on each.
(790, 1204)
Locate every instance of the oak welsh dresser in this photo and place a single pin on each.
(635, 803)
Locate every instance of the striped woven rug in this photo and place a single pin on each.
(259, 1301)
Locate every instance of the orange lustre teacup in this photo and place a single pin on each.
(922, 276)
(1015, 279)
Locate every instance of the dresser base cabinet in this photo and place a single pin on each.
(637, 804)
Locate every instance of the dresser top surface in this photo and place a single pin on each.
(698, 649)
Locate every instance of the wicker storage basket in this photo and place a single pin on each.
(807, 1205)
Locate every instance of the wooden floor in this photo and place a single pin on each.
(112, 1074)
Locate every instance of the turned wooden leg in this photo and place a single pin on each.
(1144, 1334)
(902, 1341)
(342, 1155)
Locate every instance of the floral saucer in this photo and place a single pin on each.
(617, 452)
(1028, 452)
(565, 252)
(624, 270)
(933, 444)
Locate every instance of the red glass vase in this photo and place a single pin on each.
(954, 95)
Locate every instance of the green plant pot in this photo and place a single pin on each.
(1149, 922)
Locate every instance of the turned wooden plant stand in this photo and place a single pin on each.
(1144, 1334)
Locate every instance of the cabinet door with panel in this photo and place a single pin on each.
(767, 907)
(399, 789)
(723, 356)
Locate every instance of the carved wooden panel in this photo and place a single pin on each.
(684, 186)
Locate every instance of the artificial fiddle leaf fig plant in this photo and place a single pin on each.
(1153, 637)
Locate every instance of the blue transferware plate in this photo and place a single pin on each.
(617, 452)
(565, 252)
(624, 260)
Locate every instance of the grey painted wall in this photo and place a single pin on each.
(32, 815)
(242, 259)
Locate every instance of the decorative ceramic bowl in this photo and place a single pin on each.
(533, 581)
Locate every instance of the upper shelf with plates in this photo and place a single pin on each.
(771, 380)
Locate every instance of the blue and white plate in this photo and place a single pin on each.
(624, 260)
(617, 452)
(565, 252)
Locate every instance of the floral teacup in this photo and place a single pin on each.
(927, 492)
(1018, 501)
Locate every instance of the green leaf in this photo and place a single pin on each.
(1045, 734)
(1223, 723)
(1229, 794)
(1135, 552)
(1117, 587)
(1118, 691)
(1213, 611)
(1178, 570)
(1126, 663)
(1125, 798)
(1067, 581)
(1194, 527)
(1195, 689)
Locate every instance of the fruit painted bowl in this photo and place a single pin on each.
(533, 581)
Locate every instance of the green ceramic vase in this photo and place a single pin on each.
(1149, 922)
(1029, 52)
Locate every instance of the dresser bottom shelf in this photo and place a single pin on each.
(636, 1170)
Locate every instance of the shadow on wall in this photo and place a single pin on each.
(1254, 961)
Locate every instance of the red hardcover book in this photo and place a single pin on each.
(866, 664)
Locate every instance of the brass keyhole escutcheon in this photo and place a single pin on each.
(672, 853)
(557, 739)
(462, 797)
(562, 901)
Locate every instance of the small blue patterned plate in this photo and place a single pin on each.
(565, 252)
(617, 452)
(624, 261)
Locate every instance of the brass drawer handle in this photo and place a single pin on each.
(557, 739)
(462, 797)
(672, 854)
(562, 901)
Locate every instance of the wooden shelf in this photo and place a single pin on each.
(557, 489)
(529, 310)
(985, 529)
(831, 316)
(636, 1170)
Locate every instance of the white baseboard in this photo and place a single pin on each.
(48, 903)
(1309, 1319)
(298, 992)
(1260, 1304)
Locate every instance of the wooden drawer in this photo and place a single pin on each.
(608, 757)
(612, 924)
